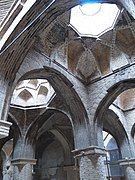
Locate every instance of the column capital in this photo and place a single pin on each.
(23, 161)
(92, 150)
(4, 128)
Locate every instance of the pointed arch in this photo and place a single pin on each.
(25, 95)
(112, 93)
(113, 125)
(133, 131)
(44, 116)
(43, 91)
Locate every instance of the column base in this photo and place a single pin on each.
(4, 128)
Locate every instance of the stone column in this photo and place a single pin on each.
(23, 159)
(91, 163)
(72, 172)
(22, 168)
(128, 166)
(4, 128)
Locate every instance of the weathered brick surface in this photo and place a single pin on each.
(86, 92)
(92, 168)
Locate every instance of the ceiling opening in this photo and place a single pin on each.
(93, 19)
(32, 93)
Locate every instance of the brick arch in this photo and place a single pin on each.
(3, 157)
(44, 117)
(44, 120)
(13, 120)
(36, 65)
(46, 114)
(112, 124)
(60, 137)
(64, 88)
(37, 124)
(133, 131)
(112, 93)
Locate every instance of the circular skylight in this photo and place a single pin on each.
(93, 19)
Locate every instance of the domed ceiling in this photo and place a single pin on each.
(30, 93)
(94, 19)
(89, 57)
